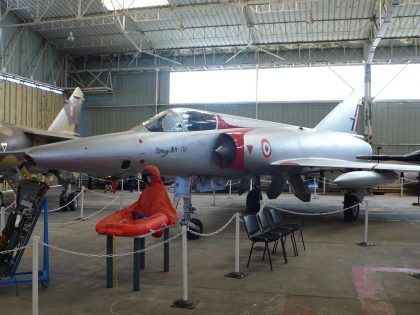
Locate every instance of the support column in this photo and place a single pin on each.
(367, 104)
(137, 263)
(166, 250)
(109, 262)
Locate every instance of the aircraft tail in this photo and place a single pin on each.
(68, 119)
(345, 116)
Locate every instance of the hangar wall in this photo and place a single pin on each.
(396, 129)
(26, 54)
(28, 106)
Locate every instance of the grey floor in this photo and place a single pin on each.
(333, 276)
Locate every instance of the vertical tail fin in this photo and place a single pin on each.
(68, 119)
(345, 116)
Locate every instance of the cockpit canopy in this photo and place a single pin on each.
(181, 119)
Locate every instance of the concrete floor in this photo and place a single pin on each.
(333, 276)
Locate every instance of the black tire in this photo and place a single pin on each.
(44, 284)
(73, 205)
(63, 201)
(253, 201)
(351, 214)
(199, 225)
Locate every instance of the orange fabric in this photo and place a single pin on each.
(154, 199)
(114, 185)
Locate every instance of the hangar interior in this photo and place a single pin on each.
(121, 55)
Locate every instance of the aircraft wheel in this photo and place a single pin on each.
(353, 213)
(198, 229)
(73, 205)
(63, 201)
(253, 200)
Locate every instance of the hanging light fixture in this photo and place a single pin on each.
(71, 37)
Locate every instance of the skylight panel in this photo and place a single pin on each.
(112, 5)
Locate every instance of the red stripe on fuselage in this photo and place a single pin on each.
(238, 137)
(221, 124)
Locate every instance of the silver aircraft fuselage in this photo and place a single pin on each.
(247, 149)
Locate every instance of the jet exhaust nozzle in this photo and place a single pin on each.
(226, 150)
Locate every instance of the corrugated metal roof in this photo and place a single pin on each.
(188, 24)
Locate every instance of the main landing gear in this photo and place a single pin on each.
(68, 200)
(182, 188)
(351, 202)
(254, 197)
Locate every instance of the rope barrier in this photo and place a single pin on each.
(9, 206)
(14, 250)
(88, 217)
(212, 233)
(57, 209)
(67, 251)
(125, 253)
(100, 194)
(311, 214)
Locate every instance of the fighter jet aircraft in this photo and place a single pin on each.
(187, 143)
(14, 137)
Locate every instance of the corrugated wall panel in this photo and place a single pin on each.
(28, 106)
(100, 120)
(395, 126)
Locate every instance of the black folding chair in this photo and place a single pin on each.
(256, 235)
(278, 226)
(278, 221)
(267, 228)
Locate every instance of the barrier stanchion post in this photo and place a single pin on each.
(214, 193)
(82, 202)
(136, 264)
(166, 250)
(35, 250)
(121, 201)
(109, 261)
(184, 302)
(402, 185)
(230, 189)
(236, 274)
(365, 243)
(315, 183)
(324, 186)
(2, 218)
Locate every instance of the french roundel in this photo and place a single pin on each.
(266, 148)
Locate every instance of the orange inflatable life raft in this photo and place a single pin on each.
(121, 223)
(152, 212)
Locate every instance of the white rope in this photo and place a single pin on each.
(56, 209)
(14, 250)
(212, 233)
(9, 206)
(312, 214)
(110, 255)
(88, 217)
(100, 194)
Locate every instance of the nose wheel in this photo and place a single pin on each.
(194, 225)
